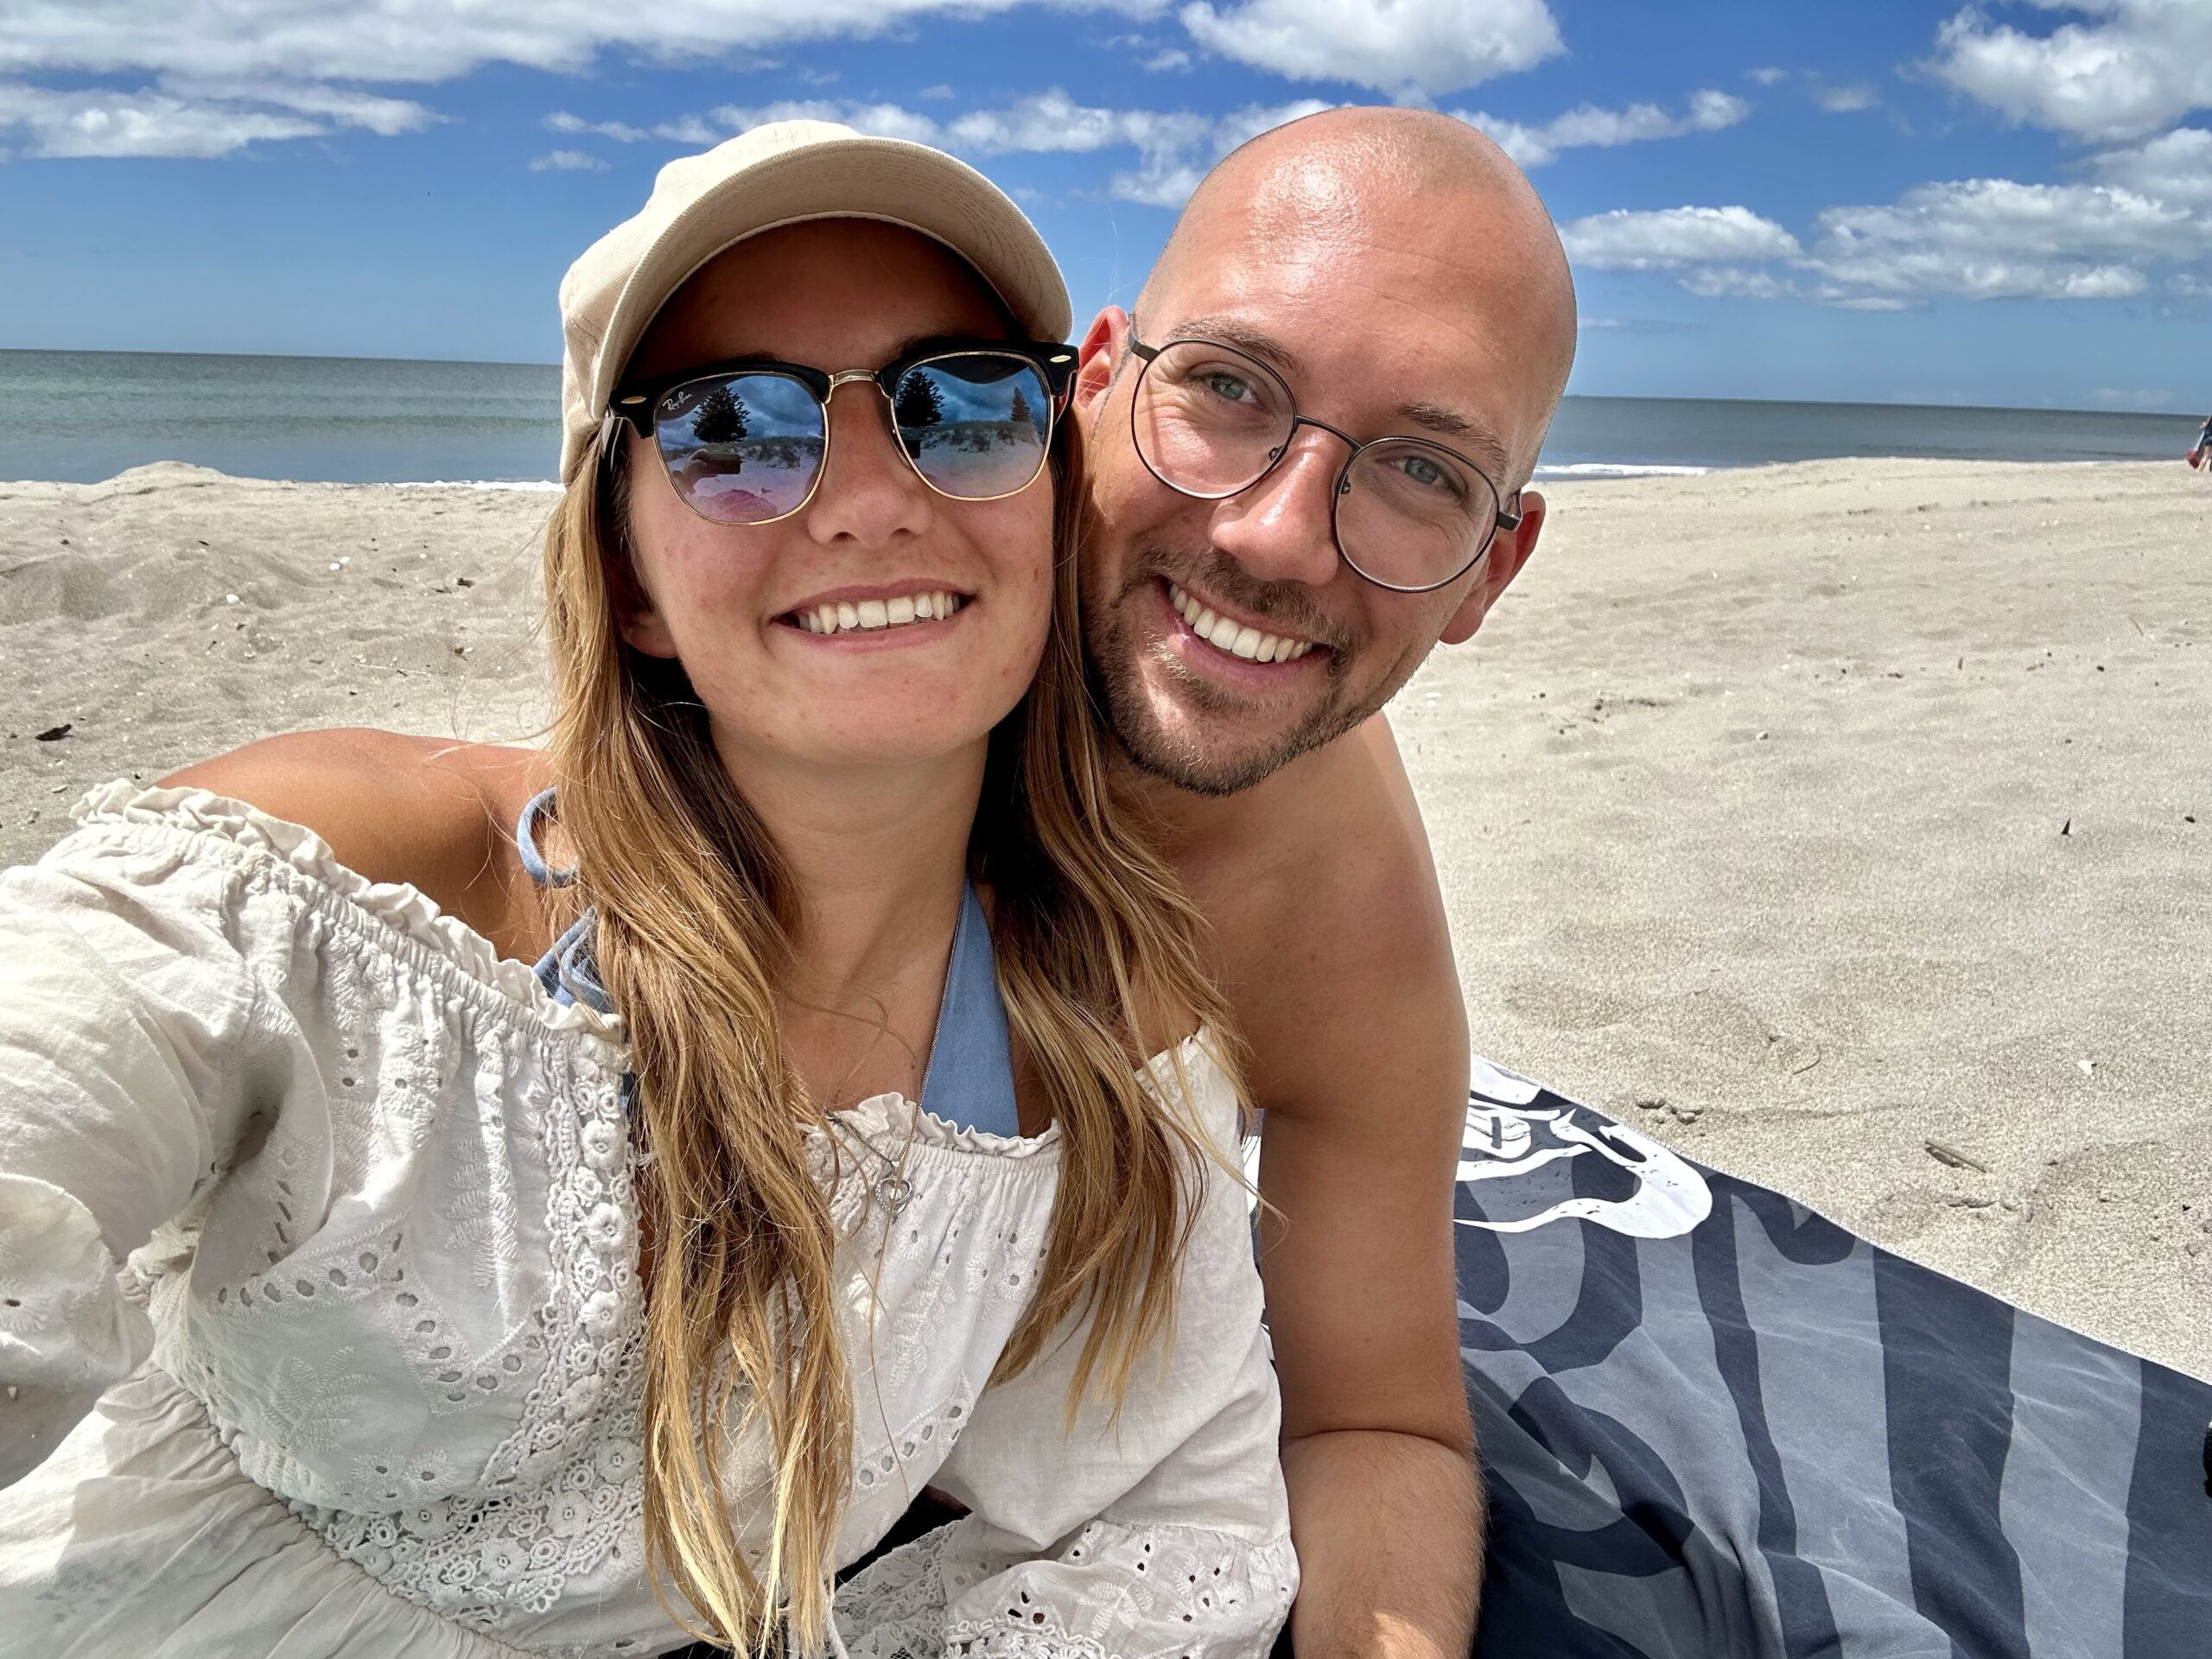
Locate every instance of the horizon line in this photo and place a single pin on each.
(1618, 397)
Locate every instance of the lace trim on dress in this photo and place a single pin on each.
(404, 909)
(1148, 1593)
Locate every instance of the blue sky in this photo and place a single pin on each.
(2009, 204)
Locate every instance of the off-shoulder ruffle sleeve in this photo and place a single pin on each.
(145, 967)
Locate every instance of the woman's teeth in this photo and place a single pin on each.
(850, 615)
(1239, 641)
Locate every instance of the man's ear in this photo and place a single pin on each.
(1098, 357)
(1509, 550)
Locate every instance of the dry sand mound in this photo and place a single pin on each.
(173, 612)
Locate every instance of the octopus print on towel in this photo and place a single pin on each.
(1544, 1163)
(1714, 1422)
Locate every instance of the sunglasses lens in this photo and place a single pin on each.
(742, 449)
(975, 424)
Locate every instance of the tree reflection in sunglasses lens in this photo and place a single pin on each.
(741, 450)
(975, 424)
(744, 448)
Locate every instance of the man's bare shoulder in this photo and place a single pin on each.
(1330, 929)
(1336, 853)
(434, 814)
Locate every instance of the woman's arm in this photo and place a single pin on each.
(438, 816)
(134, 1046)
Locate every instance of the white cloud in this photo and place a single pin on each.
(2113, 398)
(1916, 274)
(690, 131)
(372, 40)
(1174, 148)
(150, 124)
(1972, 239)
(878, 120)
(208, 77)
(2142, 67)
(1768, 76)
(1053, 121)
(1846, 100)
(1998, 239)
(569, 161)
(1626, 240)
(1428, 47)
(1982, 218)
(385, 116)
(621, 132)
(1588, 126)
(2174, 168)
(1733, 283)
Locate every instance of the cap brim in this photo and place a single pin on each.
(887, 179)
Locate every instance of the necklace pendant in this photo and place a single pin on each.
(894, 1192)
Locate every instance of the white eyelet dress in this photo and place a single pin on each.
(325, 1211)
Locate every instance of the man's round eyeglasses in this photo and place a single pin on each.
(1409, 514)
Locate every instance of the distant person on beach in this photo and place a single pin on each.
(2199, 453)
(587, 1227)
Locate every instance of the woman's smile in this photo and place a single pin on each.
(905, 613)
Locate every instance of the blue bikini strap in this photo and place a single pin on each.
(970, 1077)
(537, 807)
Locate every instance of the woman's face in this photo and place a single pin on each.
(726, 600)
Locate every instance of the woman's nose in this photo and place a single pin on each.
(868, 492)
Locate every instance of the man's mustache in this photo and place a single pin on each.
(1283, 604)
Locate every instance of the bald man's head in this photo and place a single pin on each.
(1384, 177)
(1261, 572)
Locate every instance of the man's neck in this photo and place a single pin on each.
(1194, 827)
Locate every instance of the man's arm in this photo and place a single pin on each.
(1348, 998)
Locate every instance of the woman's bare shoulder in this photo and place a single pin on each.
(435, 813)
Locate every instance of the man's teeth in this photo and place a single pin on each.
(854, 614)
(1239, 641)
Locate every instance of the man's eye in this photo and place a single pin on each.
(1229, 388)
(1430, 475)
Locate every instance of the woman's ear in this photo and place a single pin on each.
(645, 631)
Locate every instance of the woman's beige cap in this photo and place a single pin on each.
(779, 174)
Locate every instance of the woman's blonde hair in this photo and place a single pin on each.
(695, 917)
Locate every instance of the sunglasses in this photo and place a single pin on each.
(744, 442)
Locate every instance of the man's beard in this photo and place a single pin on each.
(1117, 679)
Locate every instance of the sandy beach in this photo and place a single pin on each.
(1844, 824)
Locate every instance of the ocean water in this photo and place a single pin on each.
(1623, 437)
(81, 416)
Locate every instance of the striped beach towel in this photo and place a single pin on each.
(1714, 1423)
